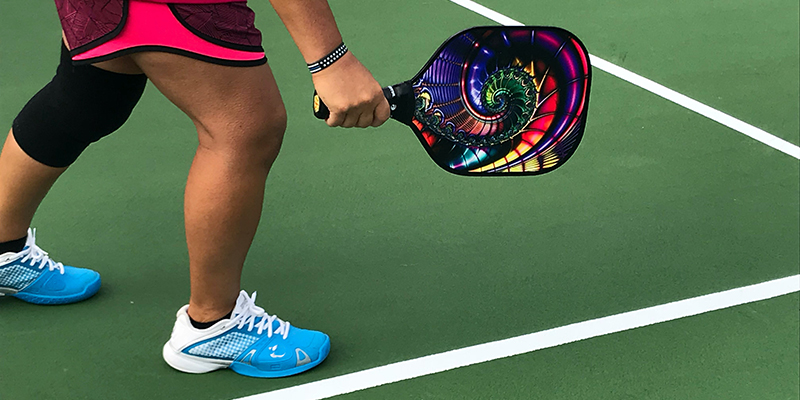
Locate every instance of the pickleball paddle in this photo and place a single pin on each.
(497, 100)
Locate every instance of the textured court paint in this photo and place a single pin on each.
(660, 90)
(700, 108)
(485, 352)
(392, 260)
(720, 355)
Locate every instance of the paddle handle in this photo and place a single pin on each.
(400, 98)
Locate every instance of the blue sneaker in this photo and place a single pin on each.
(32, 276)
(251, 343)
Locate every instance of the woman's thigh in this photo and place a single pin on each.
(226, 103)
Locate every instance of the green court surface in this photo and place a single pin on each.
(690, 358)
(364, 238)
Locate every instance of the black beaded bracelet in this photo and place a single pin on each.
(326, 61)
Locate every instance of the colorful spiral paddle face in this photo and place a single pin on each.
(503, 100)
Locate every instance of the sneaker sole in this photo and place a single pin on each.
(198, 365)
(90, 291)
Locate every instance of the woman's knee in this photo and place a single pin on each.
(253, 137)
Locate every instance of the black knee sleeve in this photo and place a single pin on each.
(79, 106)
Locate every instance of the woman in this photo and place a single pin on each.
(206, 57)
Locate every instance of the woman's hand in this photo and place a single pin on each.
(353, 96)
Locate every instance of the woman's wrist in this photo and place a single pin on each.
(328, 60)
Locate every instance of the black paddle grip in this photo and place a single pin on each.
(400, 98)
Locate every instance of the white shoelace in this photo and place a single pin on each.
(247, 311)
(36, 255)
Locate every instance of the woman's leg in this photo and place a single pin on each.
(80, 105)
(240, 121)
(24, 182)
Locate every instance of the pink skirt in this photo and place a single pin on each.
(220, 33)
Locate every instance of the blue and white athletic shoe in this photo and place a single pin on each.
(251, 343)
(32, 276)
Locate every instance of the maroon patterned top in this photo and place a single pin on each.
(228, 22)
(85, 21)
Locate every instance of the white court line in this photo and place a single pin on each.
(435, 363)
(658, 89)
